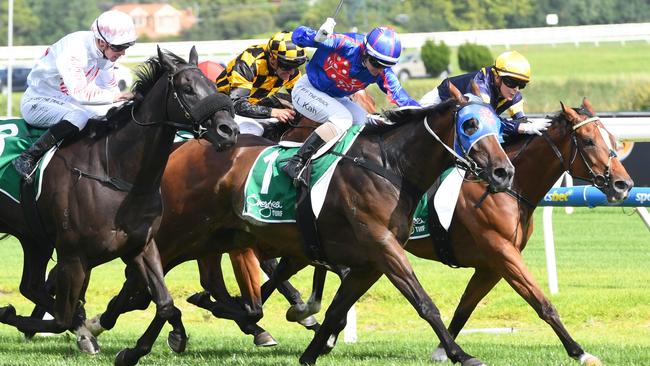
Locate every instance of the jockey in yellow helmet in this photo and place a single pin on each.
(500, 86)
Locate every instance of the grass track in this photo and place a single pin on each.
(604, 301)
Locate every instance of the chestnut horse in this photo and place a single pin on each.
(489, 232)
(370, 232)
(100, 196)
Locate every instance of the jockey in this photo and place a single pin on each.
(500, 86)
(343, 64)
(73, 81)
(253, 77)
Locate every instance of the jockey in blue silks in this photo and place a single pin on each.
(343, 64)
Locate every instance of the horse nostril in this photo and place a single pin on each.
(500, 173)
(621, 185)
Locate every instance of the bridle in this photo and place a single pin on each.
(600, 181)
(196, 114)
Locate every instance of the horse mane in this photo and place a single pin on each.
(405, 115)
(151, 70)
(147, 74)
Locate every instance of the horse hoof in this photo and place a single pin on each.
(473, 362)
(94, 326)
(265, 339)
(88, 345)
(590, 360)
(200, 299)
(121, 359)
(308, 361)
(6, 313)
(177, 341)
(310, 323)
(29, 335)
(439, 355)
(297, 312)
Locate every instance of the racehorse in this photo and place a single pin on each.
(100, 196)
(489, 232)
(370, 232)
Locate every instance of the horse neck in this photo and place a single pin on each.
(140, 153)
(416, 155)
(537, 168)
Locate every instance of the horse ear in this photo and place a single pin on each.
(194, 56)
(165, 61)
(475, 89)
(455, 93)
(569, 112)
(586, 104)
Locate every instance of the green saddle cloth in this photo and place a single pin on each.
(269, 194)
(421, 216)
(15, 137)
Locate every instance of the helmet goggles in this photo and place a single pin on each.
(513, 83)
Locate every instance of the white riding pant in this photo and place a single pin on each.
(431, 98)
(321, 107)
(251, 125)
(43, 111)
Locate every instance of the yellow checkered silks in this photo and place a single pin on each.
(282, 46)
(251, 71)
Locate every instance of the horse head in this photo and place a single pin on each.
(477, 129)
(199, 106)
(593, 156)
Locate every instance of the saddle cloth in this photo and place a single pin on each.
(15, 137)
(269, 194)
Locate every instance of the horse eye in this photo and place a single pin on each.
(588, 142)
(470, 126)
(187, 89)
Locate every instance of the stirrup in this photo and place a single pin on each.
(25, 168)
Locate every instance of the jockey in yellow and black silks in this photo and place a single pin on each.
(254, 77)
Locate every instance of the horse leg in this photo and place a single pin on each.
(211, 277)
(132, 296)
(246, 268)
(522, 281)
(400, 273)
(298, 307)
(71, 275)
(39, 310)
(131, 356)
(150, 267)
(352, 288)
(482, 281)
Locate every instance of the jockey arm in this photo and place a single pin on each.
(75, 82)
(389, 84)
(241, 84)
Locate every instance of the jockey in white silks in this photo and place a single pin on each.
(73, 81)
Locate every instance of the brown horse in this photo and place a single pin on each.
(489, 232)
(201, 183)
(101, 198)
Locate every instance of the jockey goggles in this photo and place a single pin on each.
(513, 83)
(376, 63)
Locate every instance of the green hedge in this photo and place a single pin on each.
(473, 57)
(435, 56)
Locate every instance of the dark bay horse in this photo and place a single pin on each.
(488, 233)
(200, 183)
(100, 195)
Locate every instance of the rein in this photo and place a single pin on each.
(598, 180)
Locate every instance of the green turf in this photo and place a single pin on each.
(604, 301)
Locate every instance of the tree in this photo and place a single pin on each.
(25, 22)
(435, 57)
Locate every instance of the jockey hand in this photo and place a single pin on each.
(127, 95)
(534, 127)
(283, 115)
(325, 30)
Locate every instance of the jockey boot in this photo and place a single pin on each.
(297, 162)
(26, 162)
